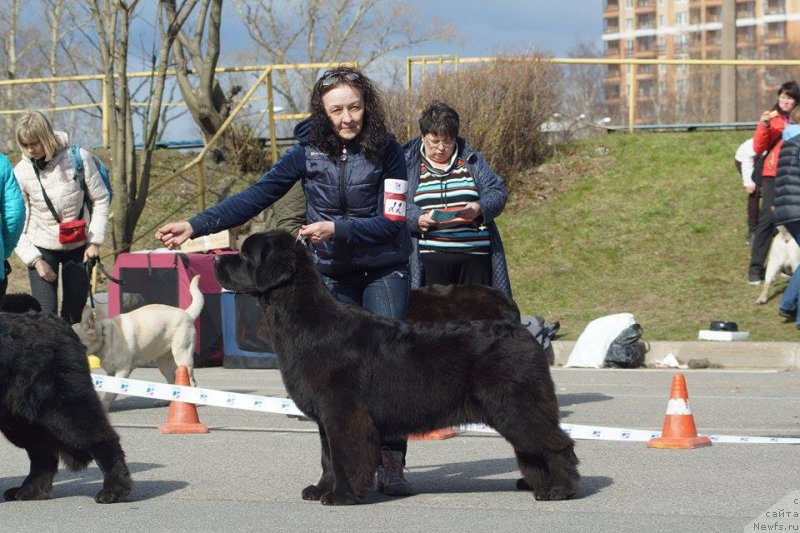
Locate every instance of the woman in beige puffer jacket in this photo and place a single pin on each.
(46, 154)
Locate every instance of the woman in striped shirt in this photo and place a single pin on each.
(454, 197)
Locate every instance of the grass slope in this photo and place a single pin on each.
(656, 227)
(653, 224)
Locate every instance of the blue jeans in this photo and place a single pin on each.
(791, 296)
(384, 292)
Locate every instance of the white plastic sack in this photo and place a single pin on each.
(591, 347)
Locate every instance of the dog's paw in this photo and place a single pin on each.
(522, 484)
(110, 496)
(20, 493)
(312, 492)
(761, 300)
(554, 493)
(333, 498)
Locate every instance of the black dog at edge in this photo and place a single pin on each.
(360, 376)
(49, 407)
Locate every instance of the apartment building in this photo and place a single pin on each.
(692, 29)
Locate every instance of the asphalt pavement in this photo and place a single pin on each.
(247, 473)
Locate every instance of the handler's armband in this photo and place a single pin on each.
(394, 199)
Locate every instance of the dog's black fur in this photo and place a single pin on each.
(361, 376)
(49, 407)
(445, 303)
(20, 302)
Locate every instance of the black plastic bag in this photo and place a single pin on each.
(625, 352)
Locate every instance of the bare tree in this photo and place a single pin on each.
(205, 100)
(10, 22)
(321, 31)
(132, 177)
(583, 84)
(54, 16)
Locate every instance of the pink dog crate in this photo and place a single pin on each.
(163, 278)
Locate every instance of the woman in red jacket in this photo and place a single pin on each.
(767, 138)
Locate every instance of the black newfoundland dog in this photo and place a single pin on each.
(48, 406)
(360, 376)
(445, 303)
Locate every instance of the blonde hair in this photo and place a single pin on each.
(794, 116)
(34, 126)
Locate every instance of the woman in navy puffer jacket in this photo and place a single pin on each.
(354, 178)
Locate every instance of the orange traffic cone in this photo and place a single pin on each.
(679, 429)
(436, 434)
(182, 416)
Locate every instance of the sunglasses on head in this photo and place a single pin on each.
(332, 78)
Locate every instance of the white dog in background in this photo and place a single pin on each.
(784, 256)
(154, 333)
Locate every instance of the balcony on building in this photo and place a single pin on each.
(695, 16)
(775, 7)
(745, 36)
(713, 14)
(775, 32)
(646, 93)
(775, 51)
(611, 26)
(774, 76)
(612, 50)
(746, 10)
(646, 47)
(713, 39)
(645, 6)
(611, 6)
(645, 72)
(646, 22)
(613, 74)
(612, 93)
(746, 52)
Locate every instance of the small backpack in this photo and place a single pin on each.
(80, 171)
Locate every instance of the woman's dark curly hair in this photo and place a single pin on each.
(371, 138)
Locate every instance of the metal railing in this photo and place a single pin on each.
(630, 64)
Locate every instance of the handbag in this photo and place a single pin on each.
(72, 231)
(68, 231)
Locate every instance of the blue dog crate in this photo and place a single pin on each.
(244, 333)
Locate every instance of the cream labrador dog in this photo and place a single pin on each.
(784, 256)
(154, 333)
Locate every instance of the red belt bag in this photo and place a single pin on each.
(68, 232)
(72, 231)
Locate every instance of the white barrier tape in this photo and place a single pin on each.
(195, 395)
(285, 406)
(580, 432)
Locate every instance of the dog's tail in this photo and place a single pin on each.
(197, 298)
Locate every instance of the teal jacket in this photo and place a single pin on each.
(12, 210)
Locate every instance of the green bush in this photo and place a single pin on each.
(502, 104)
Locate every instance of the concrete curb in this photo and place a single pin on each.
(739, 354)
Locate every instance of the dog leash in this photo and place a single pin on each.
(88, 266)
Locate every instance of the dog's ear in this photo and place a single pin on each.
(277, 267)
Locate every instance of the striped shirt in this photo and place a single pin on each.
(449, 190)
